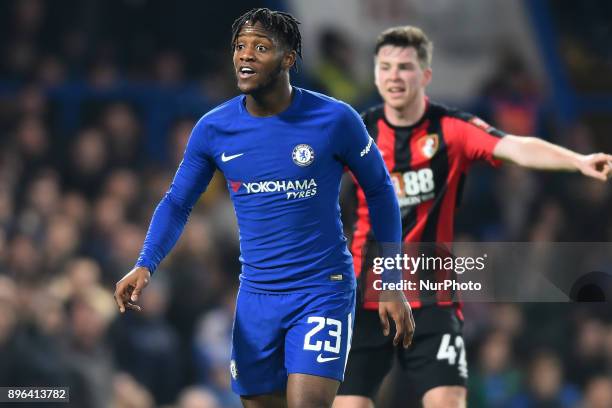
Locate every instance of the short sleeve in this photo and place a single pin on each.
(478, 138)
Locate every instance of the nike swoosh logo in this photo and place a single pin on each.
(321, 359)
(225, 158)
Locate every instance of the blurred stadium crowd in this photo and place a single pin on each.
(92, 126)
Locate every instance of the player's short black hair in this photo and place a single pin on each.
(283, 25)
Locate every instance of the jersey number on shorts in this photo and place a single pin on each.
(448, 352)
(334, 332)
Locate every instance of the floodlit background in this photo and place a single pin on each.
(97, 99)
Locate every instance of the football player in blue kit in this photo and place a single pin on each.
(283, 151)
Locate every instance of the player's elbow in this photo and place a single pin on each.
(178, 203)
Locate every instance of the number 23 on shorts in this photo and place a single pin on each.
(331, 331)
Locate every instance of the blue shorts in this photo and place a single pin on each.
(275, 335)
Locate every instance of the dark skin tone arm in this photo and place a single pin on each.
(128, 289)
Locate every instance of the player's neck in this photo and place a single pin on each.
(407, 115)
(271, 101)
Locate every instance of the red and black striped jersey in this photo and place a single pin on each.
(427, 162)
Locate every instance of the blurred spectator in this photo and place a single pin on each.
(61, 243)
(6, 207)
(127, 393)
(33, 103)
(14, 369)
(548, 223)
(212, 347)
(196, 397)
(87, 352)
(508, 320)
(587, 357)
(178, 137)
(124, 136)
(519, 188)
(598, 393)
(511, 101)
(147, 347)
(123, 184)
(51, 71)
(32, 142)
(80, 276)
(495, 380)
(198, 281)
(76, 207)
(590, 198)
(43, 199)
(512, 98)
(104, 75)
(546, 385)
(126, 242)
(30, 354)
(88, 163)
(168, 68)
(24, 261)
(335, 72)
(608, 348)
(8, 291)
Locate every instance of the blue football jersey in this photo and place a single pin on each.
(283, 174)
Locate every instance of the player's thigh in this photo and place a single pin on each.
(445, 397)
(264, 401)
(432, 362)
(318, 341)
(369, 361)
(365, 371)
(436, 358)
(310, 391)
(352, 401)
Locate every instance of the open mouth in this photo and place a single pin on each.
(246, 72)
(396, 90)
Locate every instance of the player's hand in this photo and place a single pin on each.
(393, 303)
(597, 165)
(129, 287)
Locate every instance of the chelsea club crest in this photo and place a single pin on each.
(303, 155)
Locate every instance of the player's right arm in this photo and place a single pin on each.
(170, 216)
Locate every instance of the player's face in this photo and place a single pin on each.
(258, 58)
(399, 77)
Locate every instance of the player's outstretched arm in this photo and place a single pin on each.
(169, 219)
(539, 154)
(357, 150)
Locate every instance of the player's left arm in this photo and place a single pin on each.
(482, 141)
(355, 148)
(535, 153)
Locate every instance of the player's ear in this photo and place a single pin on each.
(426, 77)
(289, 59)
